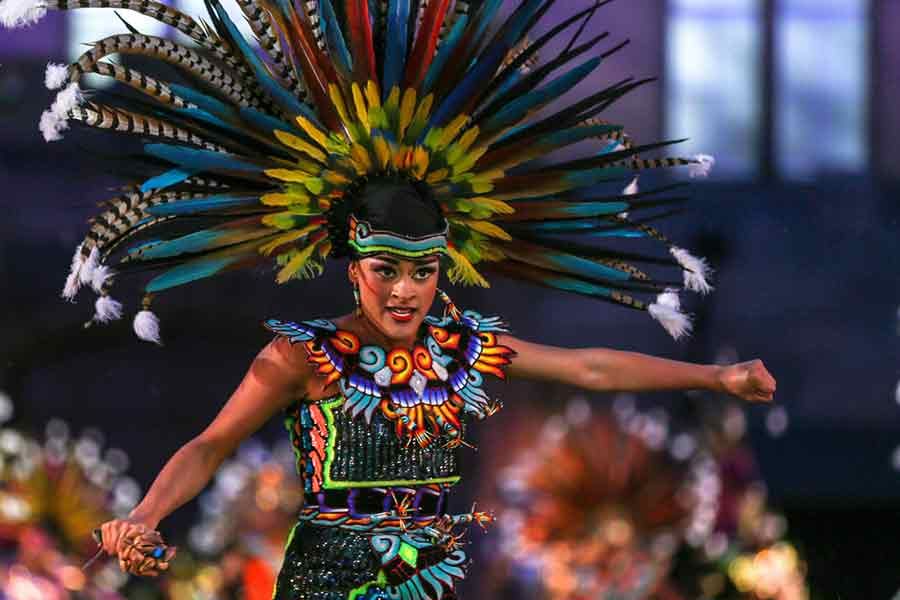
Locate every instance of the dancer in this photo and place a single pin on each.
(409, 139)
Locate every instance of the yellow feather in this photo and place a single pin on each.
(359, 104)
(373, 95)
(463, 271)
(485, 227)
(335, 178)
(286, 238)
(420, 119)
(283, 199)
(469, 159)
(320, 137)
(420, 162)
(288, 175)
(437, 176)
(451, 131)
(337, 99)
(292, 141)
(399, 158)
(406, 111)
(296, 267)
(361, 160)
(382, 152)
(458, 149)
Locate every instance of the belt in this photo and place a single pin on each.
(420, 502)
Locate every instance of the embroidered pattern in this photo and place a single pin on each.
(422, 392)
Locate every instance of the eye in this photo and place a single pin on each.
(424, 272)
(386, 271)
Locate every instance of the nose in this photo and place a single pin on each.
(404, 289)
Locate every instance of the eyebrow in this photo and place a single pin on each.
(420, 262)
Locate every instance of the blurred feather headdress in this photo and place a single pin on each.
(257, 156)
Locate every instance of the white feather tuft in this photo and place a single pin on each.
(667, 311)
(146, 326)
(56, 119)
(51, 126)
(71, 287)
(696, 270)
(19, 13)
(56, 76)
(100, 276)
(632, 188)
(73, 283)
(703, 165)
(86, 273)
(106, 309)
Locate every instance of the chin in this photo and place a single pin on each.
(398, 329)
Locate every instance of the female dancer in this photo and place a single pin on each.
(394, 133)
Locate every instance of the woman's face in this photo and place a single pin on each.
(396, 294)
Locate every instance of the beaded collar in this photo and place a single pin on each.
(423, 391)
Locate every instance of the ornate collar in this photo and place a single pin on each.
(422, 391)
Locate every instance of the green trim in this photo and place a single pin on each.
(287, 545)
(377, 249)
(408, 553)
(328, 483)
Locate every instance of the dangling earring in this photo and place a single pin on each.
(449, 306)
(358, 310)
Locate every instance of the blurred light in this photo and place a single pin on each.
(623, 406)
(117, 460)
(777, 421)
(716, 545)
(86, 27)
(11, 441)
(87, 452)
(6, 407)
(682, 446)
(713, 94)
(57, 429)
(72, 578)
(578, 411)
(821, 112)
(735, 424)
(895, 458)
(554, 430)
(127, 492)
(897, 393)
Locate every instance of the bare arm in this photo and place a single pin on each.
(275, 378)
(605, 370)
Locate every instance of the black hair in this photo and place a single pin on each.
(389, 203)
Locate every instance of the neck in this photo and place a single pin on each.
(366, 329)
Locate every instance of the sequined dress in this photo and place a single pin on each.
(378, 460)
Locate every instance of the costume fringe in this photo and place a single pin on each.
(146, 327)
(56, 76)
(702, 167)
(696, 270)
(19, 13)
(667, 311)
(106, 309)
(56, 118)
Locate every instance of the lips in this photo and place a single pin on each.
(402, 314)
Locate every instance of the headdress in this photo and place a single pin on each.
(256, 155)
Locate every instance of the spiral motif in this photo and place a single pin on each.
(345, 342)
(422, 358)
(401, 363)
(372, 358)
(387, 546)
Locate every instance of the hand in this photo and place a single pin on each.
(140, 549)
(749, 381)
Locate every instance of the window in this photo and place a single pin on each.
(821, 82)
(713, 69)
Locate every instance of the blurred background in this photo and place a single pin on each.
(796, 99)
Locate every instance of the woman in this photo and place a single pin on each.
(388, 510)
(423, 130)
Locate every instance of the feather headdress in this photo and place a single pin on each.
(268, 143)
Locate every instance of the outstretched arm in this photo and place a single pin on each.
(605, 370)
(275, 378)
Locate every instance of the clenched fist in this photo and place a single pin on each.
(749, 381)
(140, 549)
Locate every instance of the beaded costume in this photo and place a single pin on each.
(378, 460)
(274, 154)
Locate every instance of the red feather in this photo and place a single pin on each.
(361, 46)
(426, 42)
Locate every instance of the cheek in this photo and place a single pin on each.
(373, 290)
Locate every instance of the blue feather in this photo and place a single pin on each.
(486, 64)
(520, 107)
(199, 205)
(164, 180)
(334, 36)
(200, 160)
(588, 177)
(190, 271)
(395, 44)
(283, 97)
(575, 265)
(444, 52)
(268, 123)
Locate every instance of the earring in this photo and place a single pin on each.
(358, 305)
(449, 306)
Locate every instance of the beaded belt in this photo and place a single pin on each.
(360, 502)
